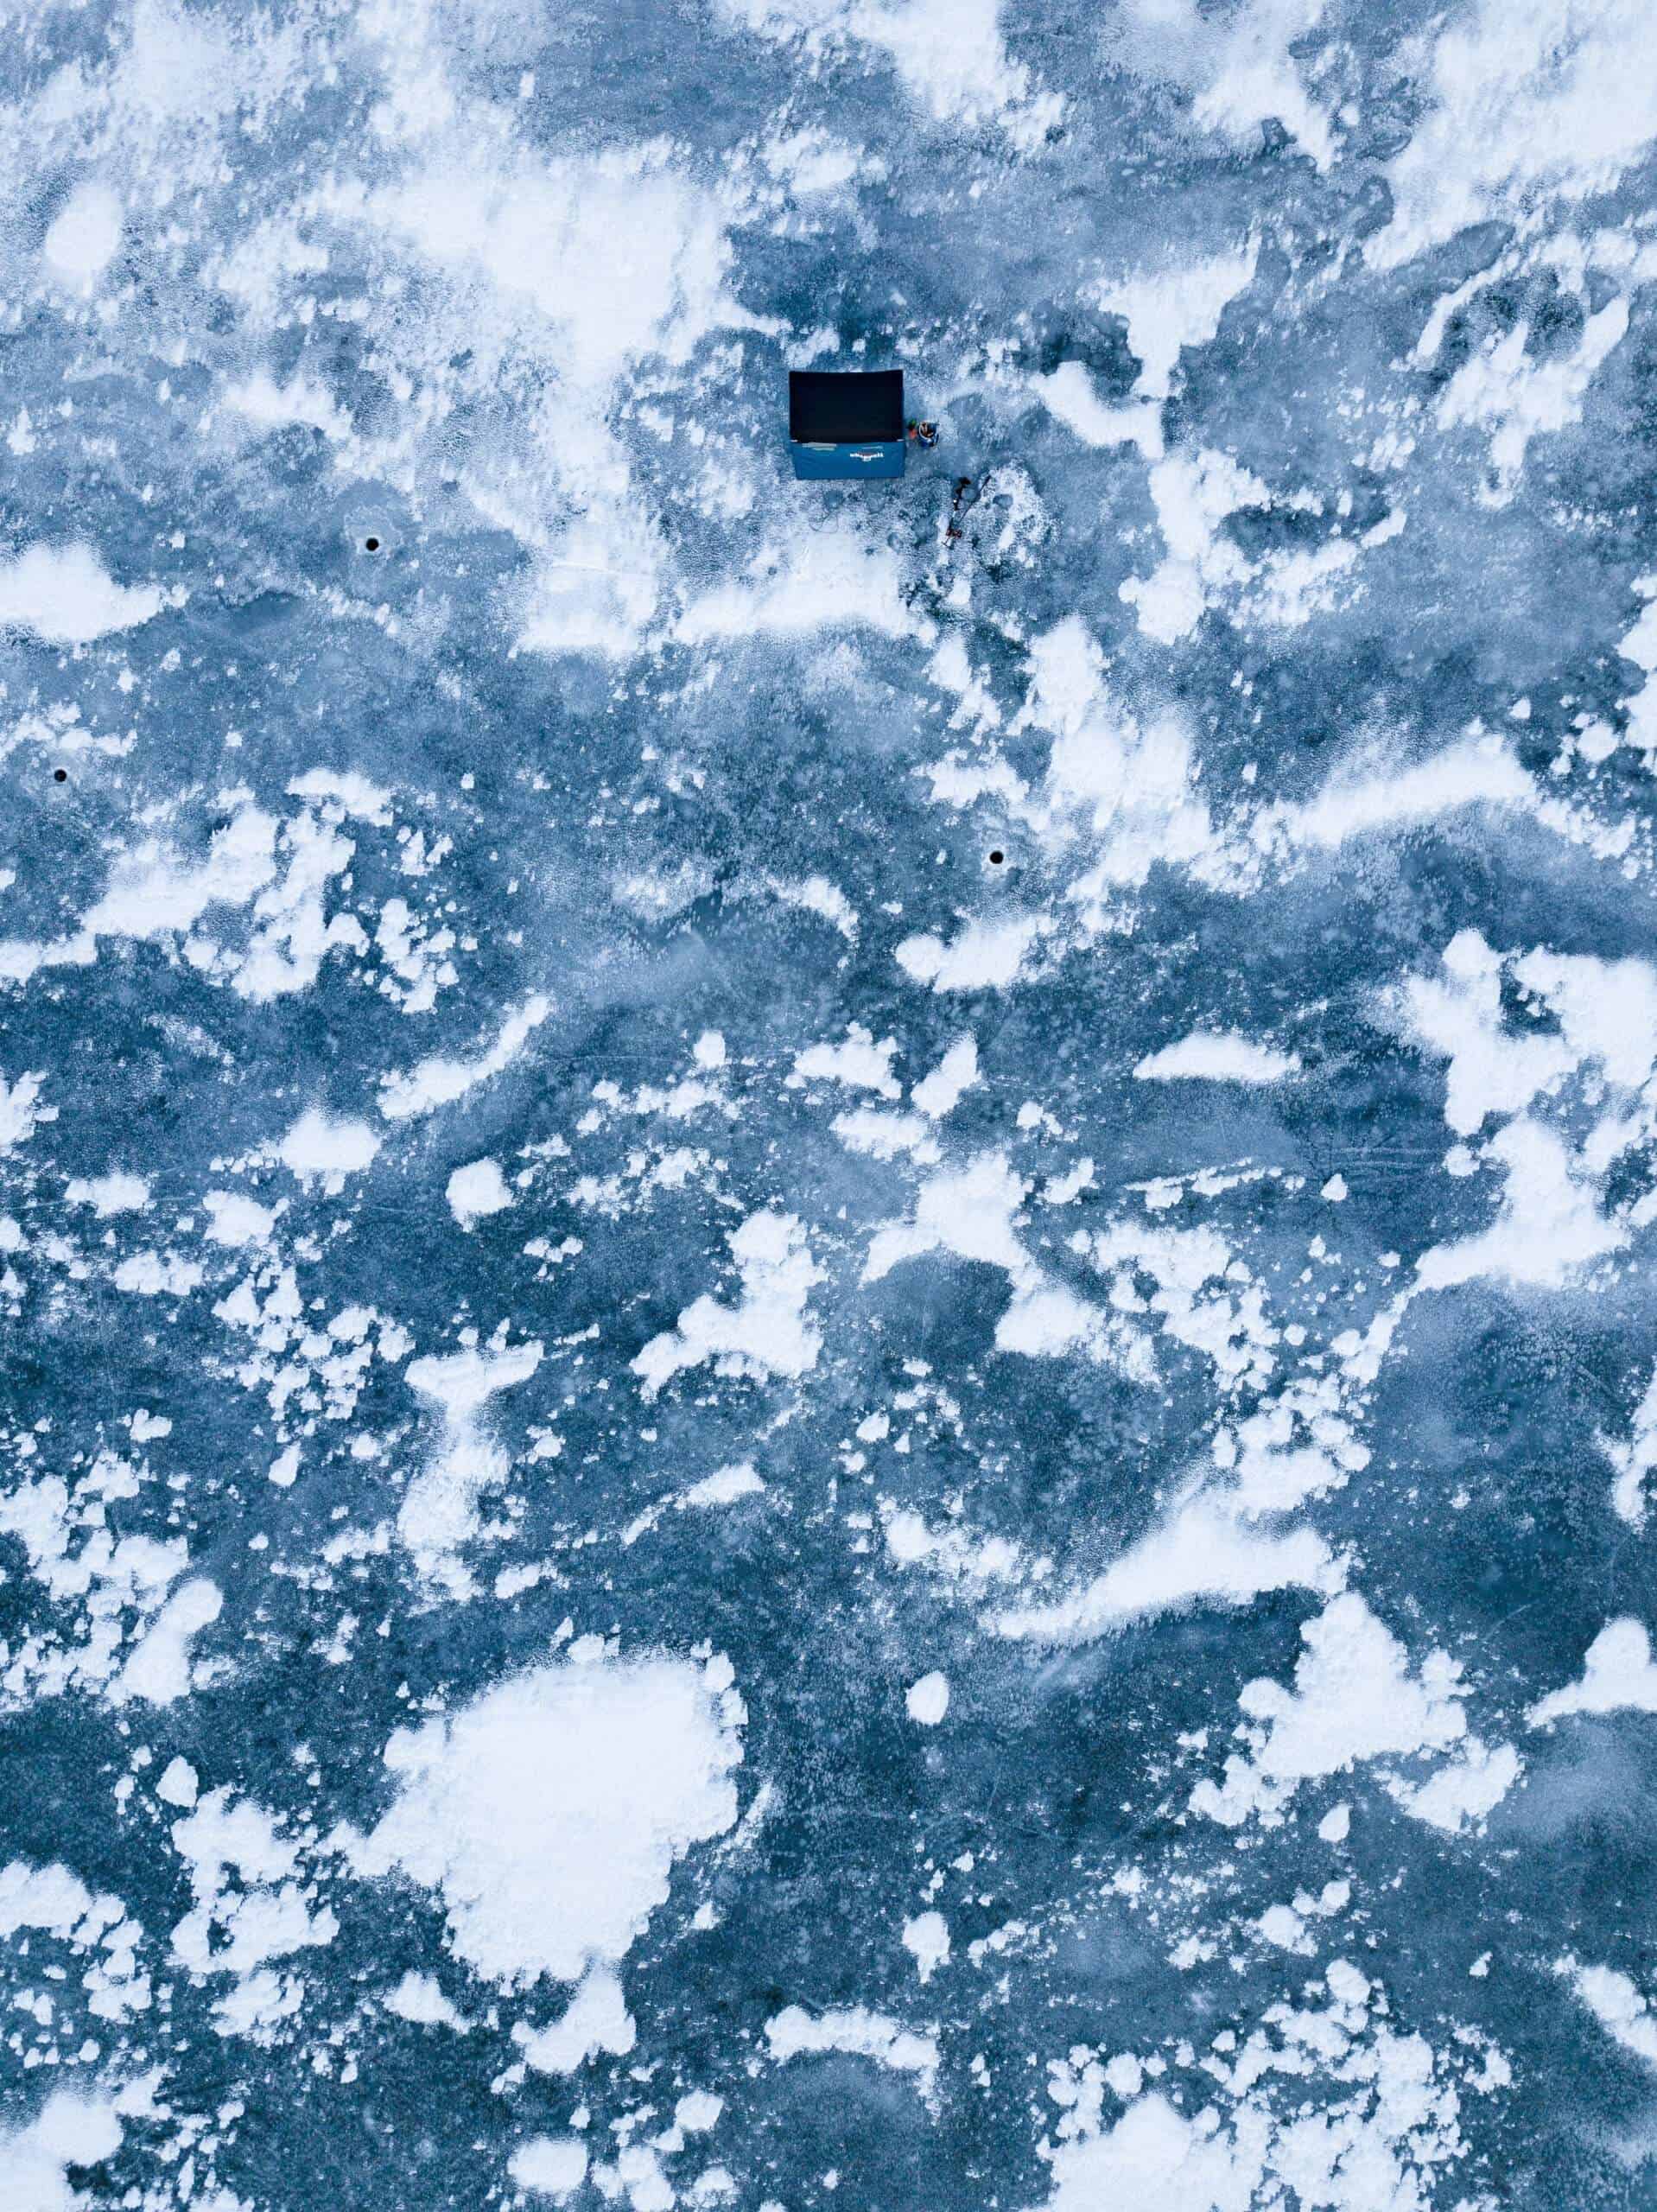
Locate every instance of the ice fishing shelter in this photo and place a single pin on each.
(846, 423)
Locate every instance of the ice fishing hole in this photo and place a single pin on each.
(60, 775)
(997, 857)
(371, 544)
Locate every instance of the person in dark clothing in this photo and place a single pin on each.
(966, 495)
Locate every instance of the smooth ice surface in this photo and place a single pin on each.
(828, 1357)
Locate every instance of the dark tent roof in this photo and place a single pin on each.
(829, 407)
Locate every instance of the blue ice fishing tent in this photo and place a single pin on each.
(846, 423)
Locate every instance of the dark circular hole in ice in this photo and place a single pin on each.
(997, 857)
(60, 775)
(372, 545)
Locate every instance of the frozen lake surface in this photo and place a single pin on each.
(830, 1367)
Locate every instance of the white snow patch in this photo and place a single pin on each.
(1121, 788)
(1621, 2009)
(1633, 1460)
(158, 1672)
(1068, 394)
(595, 2019)
(21, 1110)
(319, 1149)
(1154, 2159)
(968, 1211)
(419, 1998)
(1474, 771)
(1202, 1554)
(1501, 390)
(1549, 1228)
(1464, 1790)
(985, 956)
(955, 1074)
(233, 1218)
(859, 1062)
(1193, 494)
(73, 2128)
(476, 1190)
(926, 1938)
(115, 1192)
(927, 1700)
(347, 788)
(1237, 65)
(178, 1785)
(440, 1081)
(1169, 308)
(550, 2165)
(972, 1211)
(1530, 98)
(794, 2032)
(949, 54)
(766, 1333)
(1354, 1698)
(814, 894)
(64, 595)
(81, 239)
(438, 1513)
(1217, 1056)
(1618, 1676)
(828, 577)
(238, 1926)
(724, 1486)
(302, 404)
(548, 1811)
